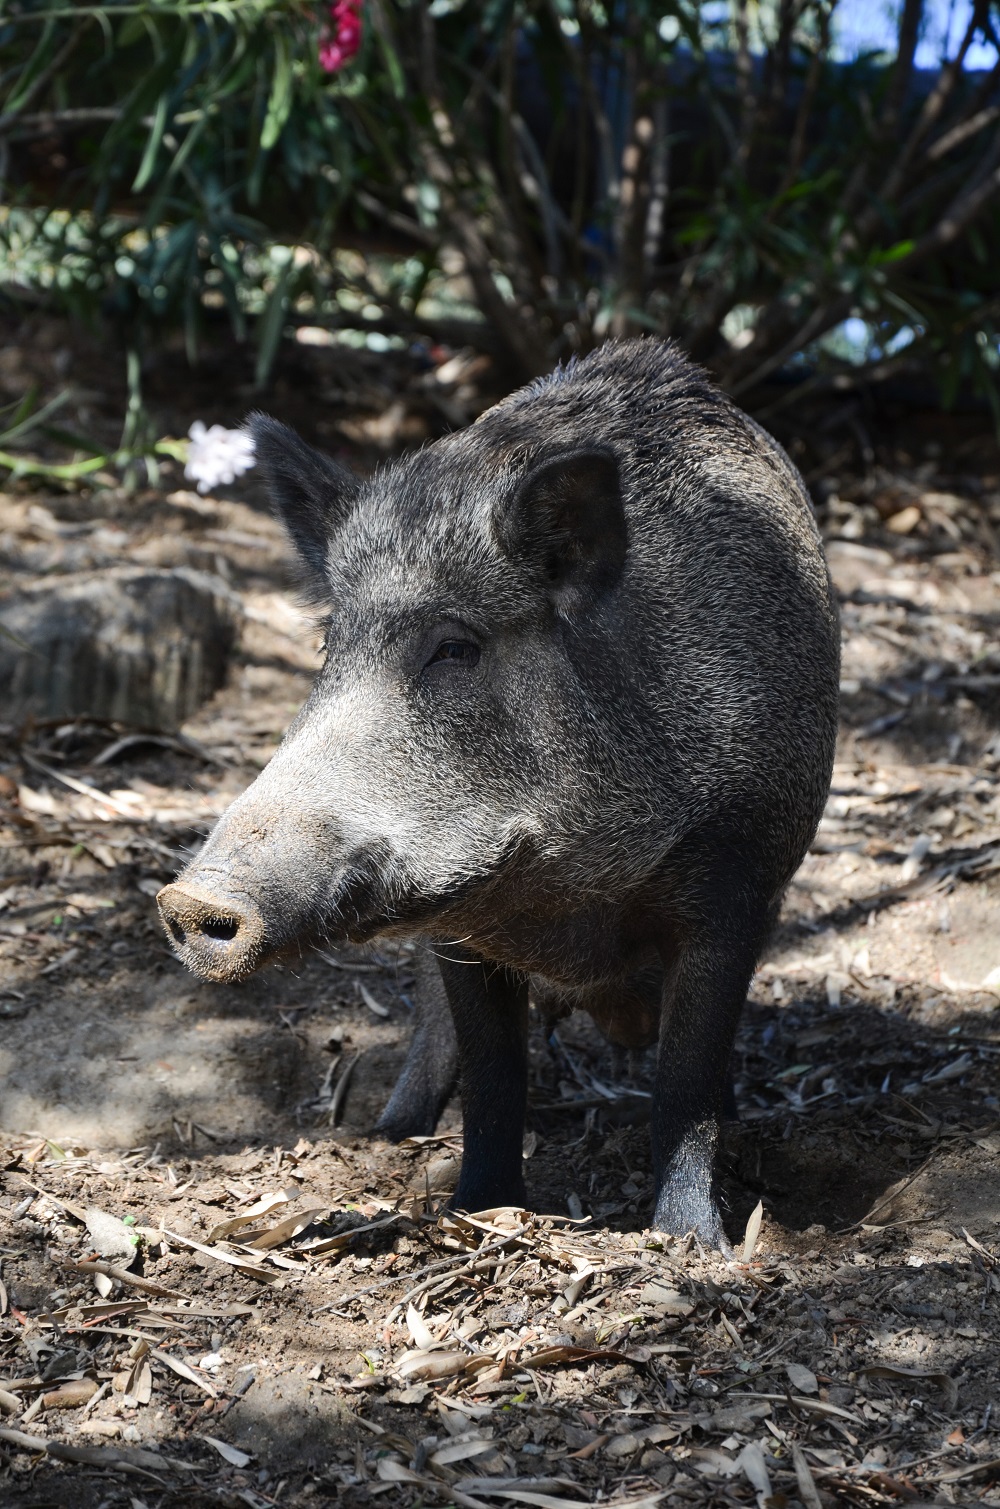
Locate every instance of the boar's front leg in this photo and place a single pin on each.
(489, 1005)
(708, 974)
(427, 1078)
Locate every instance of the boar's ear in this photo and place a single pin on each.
(311, 494)
(567, 520)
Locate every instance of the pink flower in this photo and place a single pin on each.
(341, 40)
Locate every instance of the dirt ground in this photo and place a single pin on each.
(217, 1289)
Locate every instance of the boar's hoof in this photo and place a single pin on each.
(685, 1198)
(215, 936)
(396, 1128)
(489, 1194)
(680, 1209)
(415, 1107)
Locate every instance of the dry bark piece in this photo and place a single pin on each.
(71, 1395)
(422, 1365)
(141, 646)
(113, 1239)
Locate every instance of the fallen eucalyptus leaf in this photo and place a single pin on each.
(808, 1492)
(391, 1471)
(285, 1230)
(460, 1451)
(261, 1207)
(663, 1297)
(802, 1378)
(423, 1336)
(183, 1371)
(752, 1233)
(751, 1461)
(232, 1454)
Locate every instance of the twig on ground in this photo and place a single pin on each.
(467, 1258)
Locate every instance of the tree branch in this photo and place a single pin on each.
(51, 71)
(933, 106)
(804, 113)
(44, 122)
(744, 84)
(962, 211)
(906, 47)
(819, 322)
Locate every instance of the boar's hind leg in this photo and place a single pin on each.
(489, 1005)
(705, 989)
(427, 1078)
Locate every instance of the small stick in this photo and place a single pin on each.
(461, 1257)
(144, 1285)
(881, 1204)
(82, 787)
(89, 1456)
(96, 1398)
(435, 1284)
(337, 1103)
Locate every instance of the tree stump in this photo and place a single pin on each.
(140, 646)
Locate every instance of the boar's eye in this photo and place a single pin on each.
(456, 652)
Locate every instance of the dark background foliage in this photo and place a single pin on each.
(527, 176)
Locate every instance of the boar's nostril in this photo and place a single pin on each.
(216, 935)
(223, 928)
(176, 931)
(191, 918)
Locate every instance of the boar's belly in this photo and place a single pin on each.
(625, 1011)
(624, 1021)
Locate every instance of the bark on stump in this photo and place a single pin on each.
(140, 646)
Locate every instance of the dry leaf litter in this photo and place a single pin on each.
(216, 1289)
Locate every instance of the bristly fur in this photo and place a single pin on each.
(606, 779)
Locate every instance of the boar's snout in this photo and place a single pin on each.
(215, 935)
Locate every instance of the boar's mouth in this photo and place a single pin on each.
(227, 939)
(224, 935)
(362, 914)
(366, 907)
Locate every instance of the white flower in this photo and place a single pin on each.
(217, 455)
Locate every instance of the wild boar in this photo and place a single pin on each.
(575, 728)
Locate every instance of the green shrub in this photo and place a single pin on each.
(590, 169)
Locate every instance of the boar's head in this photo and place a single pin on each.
(432, 781)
